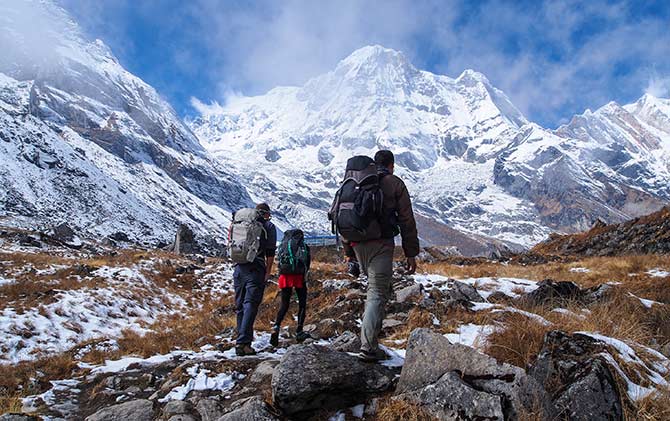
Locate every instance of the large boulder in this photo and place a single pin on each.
(573, 370)
(250, 409)
(184, 241)
(312, 377)
(430, 356)
(549, 291)
(137, 410)
(451, 398)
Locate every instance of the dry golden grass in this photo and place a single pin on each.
(519, 342)
(10, 402)
(18, 380)
(602, 269)
(402, 410)
(417, 318)
(655, 407)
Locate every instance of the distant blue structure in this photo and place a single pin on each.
(321, 240)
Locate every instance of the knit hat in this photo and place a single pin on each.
(263, 207)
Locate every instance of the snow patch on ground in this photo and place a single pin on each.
(126, 299)
(471, 334)
(201, 381)
(658, 273)
(580, 270)
(644, 301)
(512, 287)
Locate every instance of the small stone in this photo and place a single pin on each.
(346, 342)
(250, 409)
(209, 409)
(263, 371)
(177, 407)
(407, 293)
(463, 291)
(390, 323)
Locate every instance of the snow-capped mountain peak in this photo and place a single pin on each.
(470, 157)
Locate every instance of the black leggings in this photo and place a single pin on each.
(286, 301)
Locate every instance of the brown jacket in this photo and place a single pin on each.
(398, 206)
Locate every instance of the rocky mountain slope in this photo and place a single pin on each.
(85, 142)
(646, 234)
(471, 159)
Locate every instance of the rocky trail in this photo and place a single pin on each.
(150, 335)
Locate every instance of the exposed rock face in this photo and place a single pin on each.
(312, 377)
(251, 409)
(209, 409)
(139, 410)
(263, 372)
(580, 380)
(550, 291)
(63, 233)
(430, 356)
(17, 417)
(462, 291)
(184, 241)
(646, 234)
(451, 398)
(408, 293)
(346, 342)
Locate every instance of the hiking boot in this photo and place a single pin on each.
(274, 337)
(372, 356)
(301, 337)
(244, 350)
(354, 269)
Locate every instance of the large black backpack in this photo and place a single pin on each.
(357, 207)
(293, 253)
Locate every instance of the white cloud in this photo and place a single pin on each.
(658, 86)
(553, 59)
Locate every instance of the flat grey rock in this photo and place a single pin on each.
(137, 410)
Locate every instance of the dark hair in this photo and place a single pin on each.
(263, 207)
(384, 158)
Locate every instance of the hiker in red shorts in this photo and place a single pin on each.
(294, 260)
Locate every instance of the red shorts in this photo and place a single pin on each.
(291, 281)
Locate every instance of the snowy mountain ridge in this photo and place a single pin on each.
(471, 159)
(86, 142)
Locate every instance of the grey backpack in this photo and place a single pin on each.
(244, 236)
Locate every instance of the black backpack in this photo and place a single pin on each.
(357, 207)
(293, 254)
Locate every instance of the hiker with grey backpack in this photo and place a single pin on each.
(293, 261)
(252, 241)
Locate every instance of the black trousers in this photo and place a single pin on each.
(286, 301)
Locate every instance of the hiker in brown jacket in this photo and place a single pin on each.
(376, 256)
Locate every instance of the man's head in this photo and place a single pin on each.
(264, 210)
(385, 159)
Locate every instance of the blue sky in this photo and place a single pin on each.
(553, 59)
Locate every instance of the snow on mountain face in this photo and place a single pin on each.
(470, 158)
(85, 142)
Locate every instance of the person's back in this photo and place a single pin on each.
(249, 281)
(376, 256)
